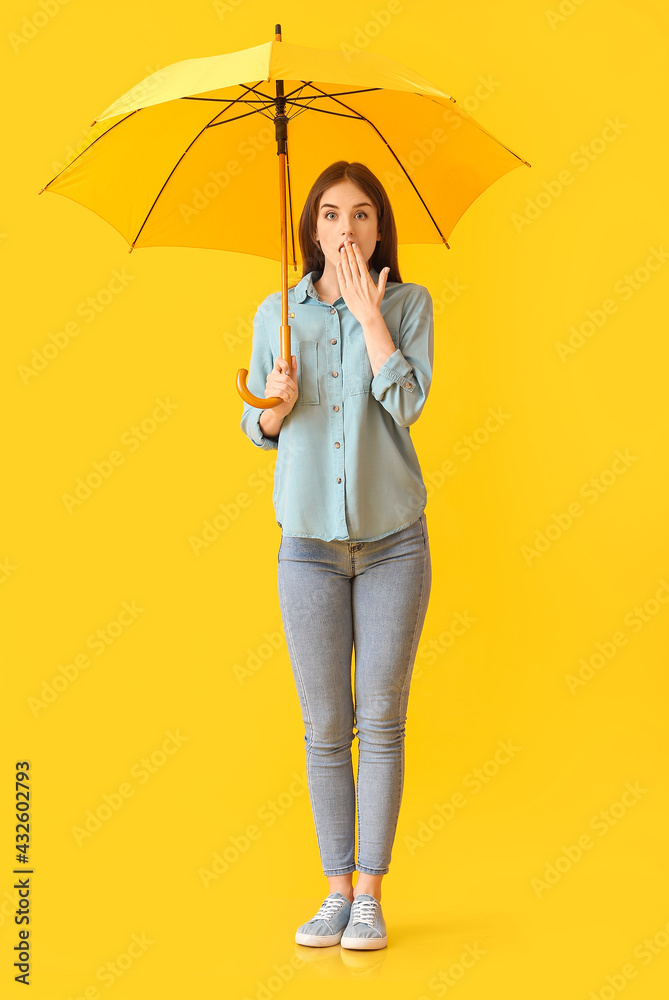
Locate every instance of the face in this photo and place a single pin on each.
(346, 212)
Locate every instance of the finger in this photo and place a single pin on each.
(283, 382)
(271, 390)
(345, 269)
(357, 257)
(358, 266)
(341, 277)
(287, 383)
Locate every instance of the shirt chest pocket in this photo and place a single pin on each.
(306, 352)
(360, 369)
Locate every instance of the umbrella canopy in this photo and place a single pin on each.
(188, 156)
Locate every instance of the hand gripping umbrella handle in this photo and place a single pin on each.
(242, 374)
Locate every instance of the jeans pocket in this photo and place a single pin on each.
(306, 352)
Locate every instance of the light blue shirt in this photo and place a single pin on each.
(346, 467)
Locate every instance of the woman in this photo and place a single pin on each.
(354, 565)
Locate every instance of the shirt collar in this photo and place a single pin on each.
(305, 285)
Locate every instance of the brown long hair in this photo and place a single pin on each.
(385, 252)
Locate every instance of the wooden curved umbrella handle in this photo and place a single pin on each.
(244, 392)
(248, 396)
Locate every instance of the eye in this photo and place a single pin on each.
(357, 213)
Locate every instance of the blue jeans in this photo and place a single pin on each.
(373, 596)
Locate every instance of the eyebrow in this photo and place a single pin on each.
(360, 203)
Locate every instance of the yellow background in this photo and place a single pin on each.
(501, 878)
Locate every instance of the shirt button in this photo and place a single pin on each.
(338, 479)
(336, 444)
(408, 385)
(335, 374)
(332, 309)
(333, 341)
(336, 409)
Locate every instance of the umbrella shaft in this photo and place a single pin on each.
(281, 133)
(285, 329)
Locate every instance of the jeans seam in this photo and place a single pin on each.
(293, 652)
(357, 805)
(401, 711)
(403, 700)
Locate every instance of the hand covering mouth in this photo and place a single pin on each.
(342, 244)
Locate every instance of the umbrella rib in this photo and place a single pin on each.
(97, 139)
(225, 121)
(324, 111)
(219, 100)
(480, 127)
(362, 118)
(155, 200)
(289, 99)
(364, 90)
(304, 83)
(267, 101)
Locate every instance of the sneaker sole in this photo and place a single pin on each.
(364, 944)
(318, 940)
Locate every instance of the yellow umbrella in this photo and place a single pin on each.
(184, 158)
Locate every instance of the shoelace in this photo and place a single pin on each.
(364, 911)
(328, 909)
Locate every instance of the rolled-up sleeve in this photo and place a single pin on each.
(261, 364)
(402, 383)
